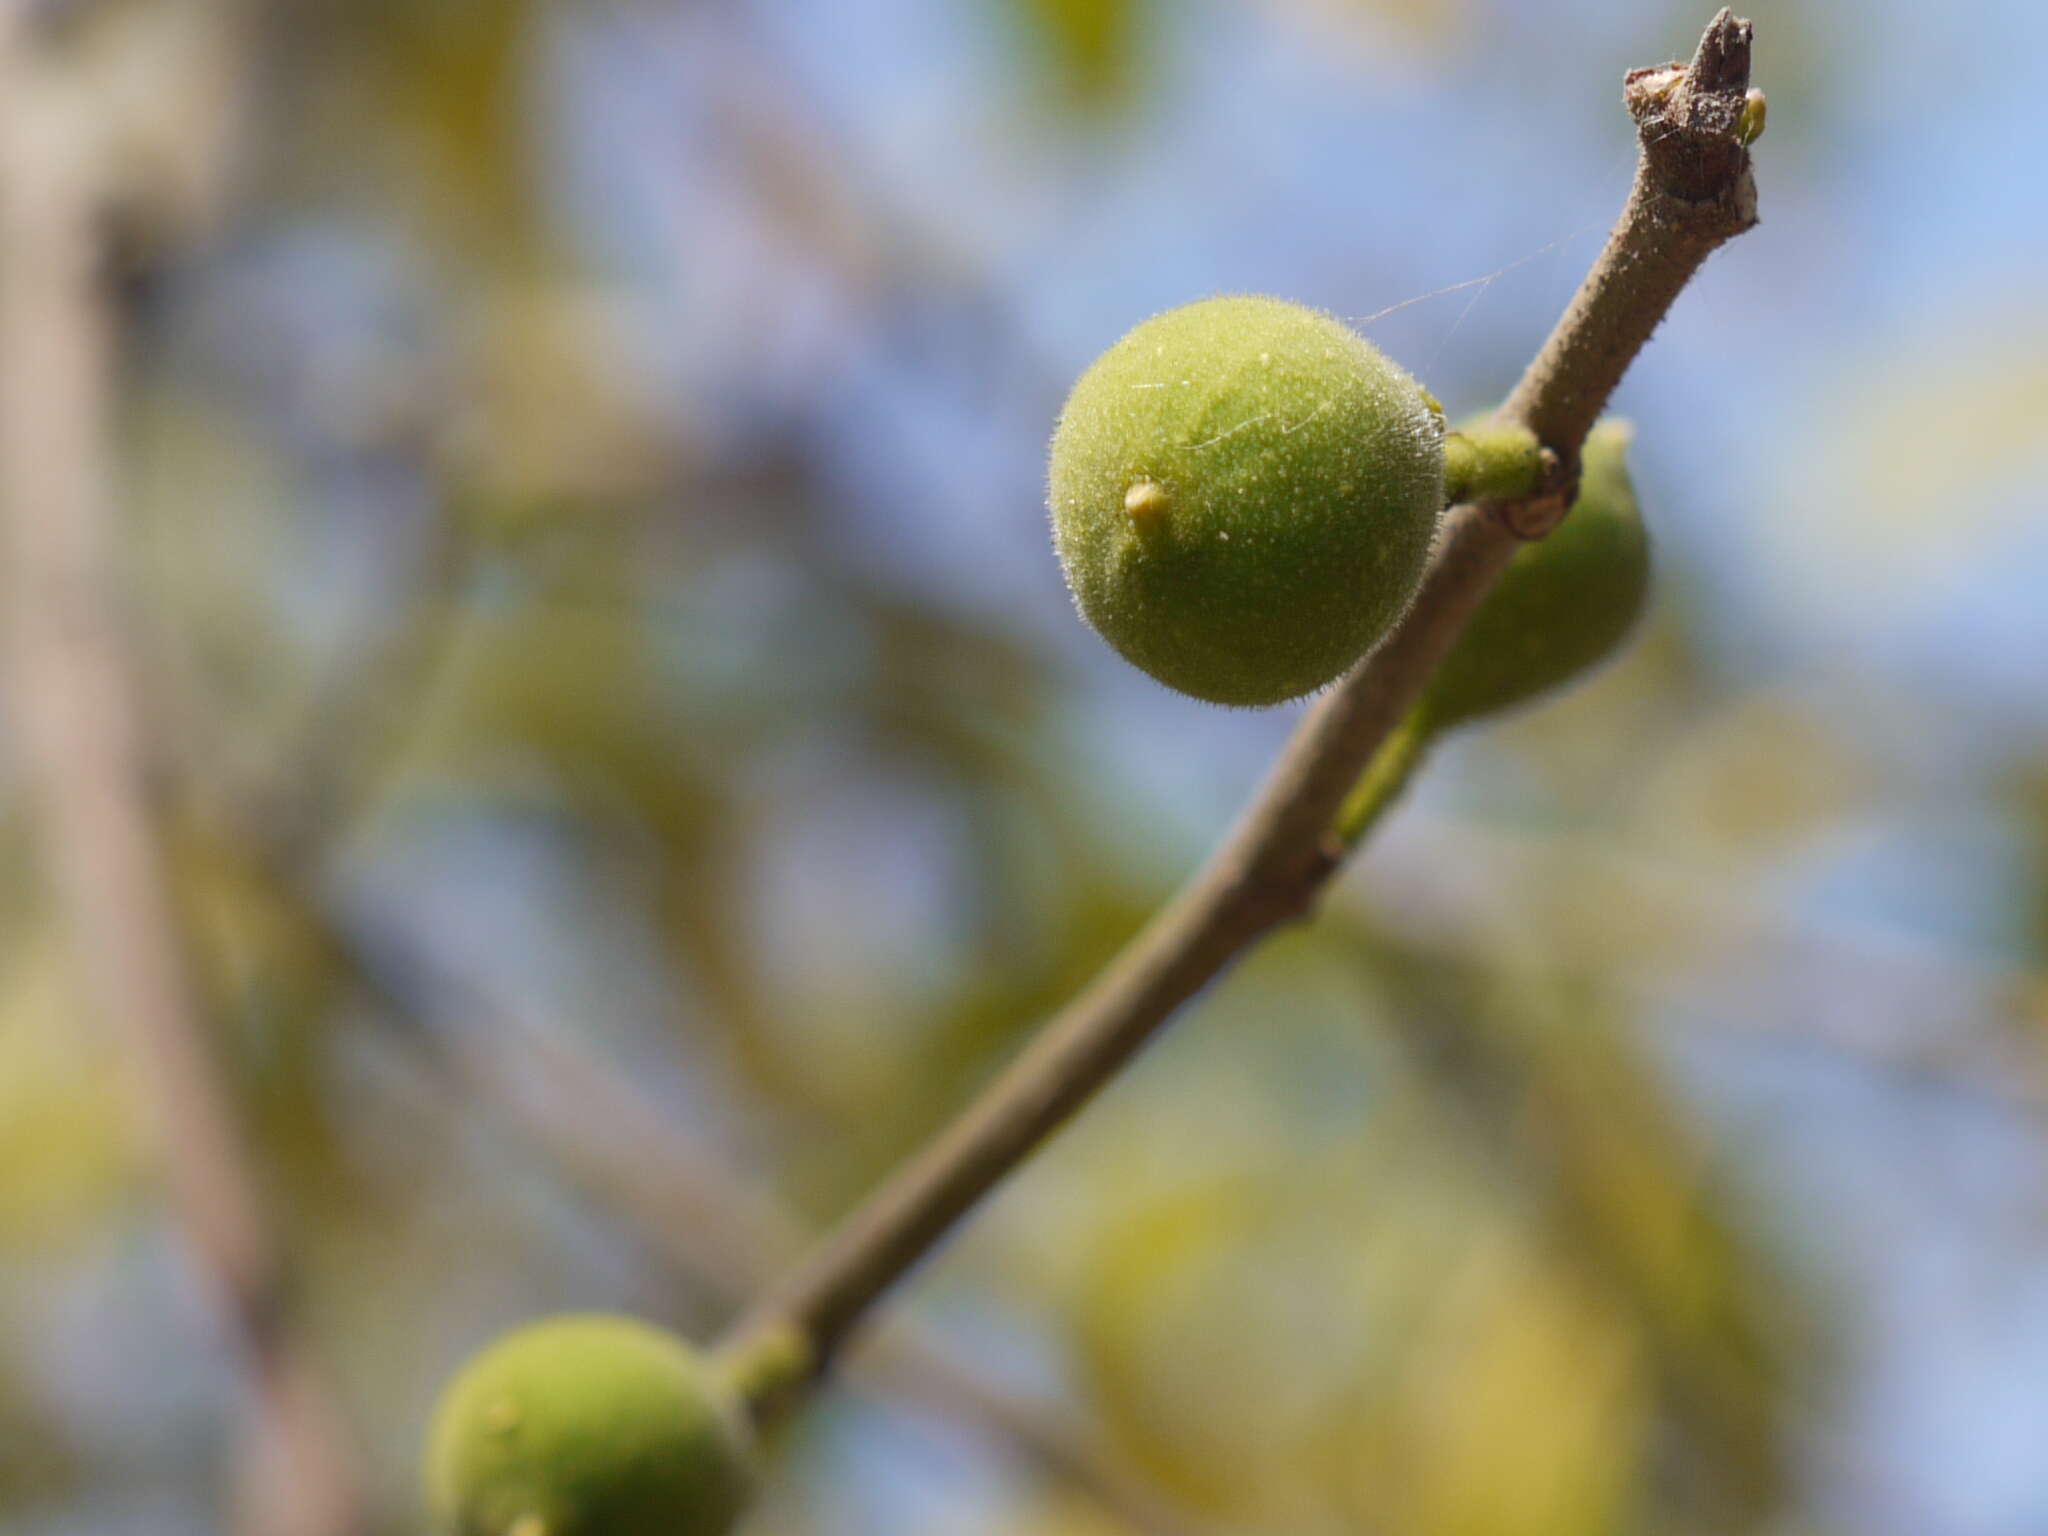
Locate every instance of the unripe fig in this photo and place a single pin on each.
(1243, 496)
(587, 1425)
(1564, 603)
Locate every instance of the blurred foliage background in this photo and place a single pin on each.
(633, 769)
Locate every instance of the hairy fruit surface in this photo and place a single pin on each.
(586, 1425)
(1565, 602)
(1243, 496)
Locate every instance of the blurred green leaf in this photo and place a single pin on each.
(1285, 1355)
(428, 96)
(69, 1154)
(1094, 46)
(1541, 1076)
(37, 1459)
(1525, 1414)
(2030, 799)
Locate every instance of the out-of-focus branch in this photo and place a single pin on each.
(78, 708)
(1885, 979)
(1692, 193)
(360, 725)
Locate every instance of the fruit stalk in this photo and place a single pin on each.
(1692, 193)
(1491, 463)
(1384, 778)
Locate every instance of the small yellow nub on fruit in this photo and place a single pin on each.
(1146, 502)
(587, 1426)
(1243, 495)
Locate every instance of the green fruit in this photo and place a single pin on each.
(1243, 496)
(1564, 603)
(587, 1425)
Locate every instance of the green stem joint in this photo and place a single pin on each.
(1491, 463)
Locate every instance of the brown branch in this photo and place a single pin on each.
(1692, 192)
(78, 708)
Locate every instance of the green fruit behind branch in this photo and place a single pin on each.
(1243, 497)
(587, 1425)
(1565, 602)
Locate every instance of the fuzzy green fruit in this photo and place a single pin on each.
(1243, 496)
(587, 1425)
(1563, 604)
